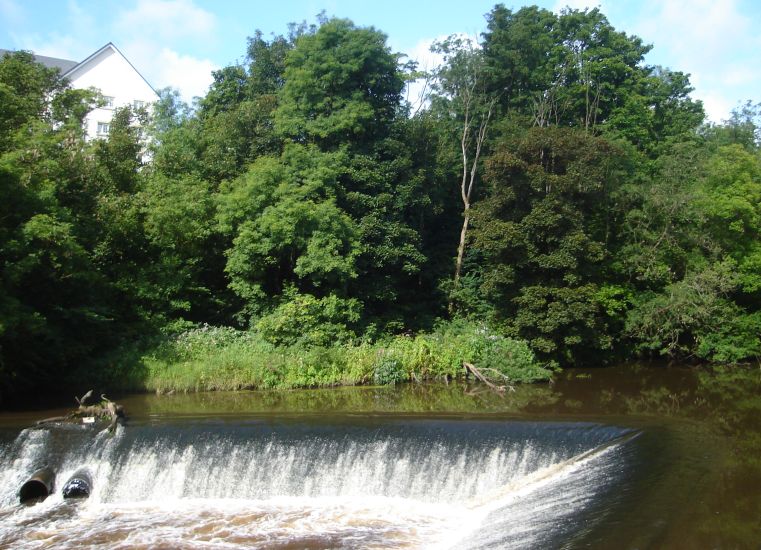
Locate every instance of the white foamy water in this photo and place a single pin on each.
(422, 485)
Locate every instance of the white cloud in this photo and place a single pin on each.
(55, 45)
(422, 54)
(167, 20)
(739, 74)
(163, 66)
(153, 34)
(694, 29)
(716, 105)
(190, 75)
(715, 42)
(75, 45)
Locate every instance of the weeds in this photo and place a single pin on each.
(220, 358)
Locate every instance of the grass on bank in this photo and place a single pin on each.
(221, 358)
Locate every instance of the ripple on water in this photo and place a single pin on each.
(278, 523)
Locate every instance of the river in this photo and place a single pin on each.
(626, 457)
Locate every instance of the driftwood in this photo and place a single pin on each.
(471, 369)
(106, 409)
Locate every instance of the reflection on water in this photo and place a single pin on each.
(413, 466)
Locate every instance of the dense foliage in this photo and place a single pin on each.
(553, 188)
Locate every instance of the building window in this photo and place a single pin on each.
(108, 102)
(103, 128)
(137, 104)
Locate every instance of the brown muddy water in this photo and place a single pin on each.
(627, 457)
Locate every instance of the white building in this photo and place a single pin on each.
(108, 71)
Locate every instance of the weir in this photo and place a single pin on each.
(480, 483)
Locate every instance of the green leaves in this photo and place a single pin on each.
(295, 240)
(693, 247)
(25, 91)
(286, 228)
(302, 319)
(342, 86)
(299, 198)
(575, 69)
(694, 317)
(541, 233)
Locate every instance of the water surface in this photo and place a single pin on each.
(631, 457)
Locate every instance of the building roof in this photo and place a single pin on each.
(67, 67)
(64, 65)
(113, 48)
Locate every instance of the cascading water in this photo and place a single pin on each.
(300, 484)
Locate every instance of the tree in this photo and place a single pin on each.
(287, 229)
(542, 236)
(662, 224)
(575, 69)
(342, 87)
(461, 88)
(517, 50)
(696, 318)
(597, 65)
(52, 308)
(690, 248)
(235, 122)
(730, 200)
(743, 127)
(25, 91)
(342, 97)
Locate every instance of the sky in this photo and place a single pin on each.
(178, 43)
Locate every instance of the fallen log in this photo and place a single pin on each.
(471, 369)
(106, 409)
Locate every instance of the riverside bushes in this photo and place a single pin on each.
(218, 358)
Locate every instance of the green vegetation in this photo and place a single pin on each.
(210, 358)
(554, 188)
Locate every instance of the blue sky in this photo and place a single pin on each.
(179, 42)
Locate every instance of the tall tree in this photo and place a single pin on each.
(461, 86)
(541, 233)
(342, 87)
(54, 309)
(342, 93)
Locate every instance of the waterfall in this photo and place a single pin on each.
(425, 482)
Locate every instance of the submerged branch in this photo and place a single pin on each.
(471, 369)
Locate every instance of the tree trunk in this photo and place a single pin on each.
(461, 247)
(467, 184)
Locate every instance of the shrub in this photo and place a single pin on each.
(511, 358)
(388, 370)
(306, 320)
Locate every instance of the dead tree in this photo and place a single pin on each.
(463, 84)
(105, 410)
(471, 369)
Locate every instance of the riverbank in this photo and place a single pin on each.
(221, 358)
